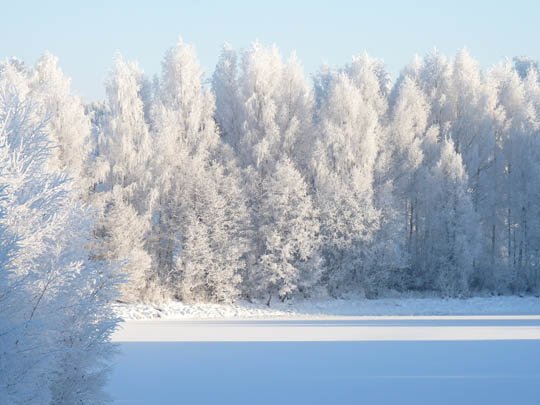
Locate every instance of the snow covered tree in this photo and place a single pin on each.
(450, 229)
(122, 234)
(55, 319)
(266, 111)
(369, 75)
(67, 126)
(400, 174)
(127, 144)
(184, 105)
(124, 189)
(463, 106)
(344, 164)
(517, 185)
(197, 237)
(212, 217)
(229, 108)
(272, 186)
(180, 116)
(289, 233)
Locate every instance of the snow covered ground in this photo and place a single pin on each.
(323, 308)
(406, 351)
(398, 372)
(334, 329)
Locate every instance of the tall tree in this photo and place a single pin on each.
(401, 174)
(450, 230)
(344, 164)
(197, 236)
(125, 192)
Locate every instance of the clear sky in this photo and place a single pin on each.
(86, 35)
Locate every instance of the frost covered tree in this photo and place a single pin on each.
(344, 163)
(121, 235)
(517, 184)
(210, 241)
(181, 124)
(265, 108)
(67, 126)
(229, 111)
(289, 234)
(124, 190)
(450, 228)
(127, 145)
(463, 107)
(367, 150)
(401, 173)
(55, 319)
(199, 213)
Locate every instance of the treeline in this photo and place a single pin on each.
(262, 183)
(266, 183)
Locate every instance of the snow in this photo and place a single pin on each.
(332, 329)
(391, 351)
(439, 372)
(322, 308)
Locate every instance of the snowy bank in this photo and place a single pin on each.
(501, 305)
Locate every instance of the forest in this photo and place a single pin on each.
(261, 183)
(258, 183)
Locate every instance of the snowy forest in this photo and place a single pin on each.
(257, 183)
(260, 182)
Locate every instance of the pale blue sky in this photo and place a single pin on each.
(86, 35)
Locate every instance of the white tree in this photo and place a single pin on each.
(67, 126)
(450, 228)
(265, 109)
(197, 234)
(55, 319)
(122, 233)
(211, 242)
(184, 131)
(400, 175)
(127, 144)
(184, 105)
(344, 164)
(289, 233)
(463, 105)
(125, 192)
(229, 107)
(517, 184)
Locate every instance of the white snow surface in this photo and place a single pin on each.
(389, 351)
(496, 318)
(324, 308)
(493, 372)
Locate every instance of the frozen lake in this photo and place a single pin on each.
(415, 360)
